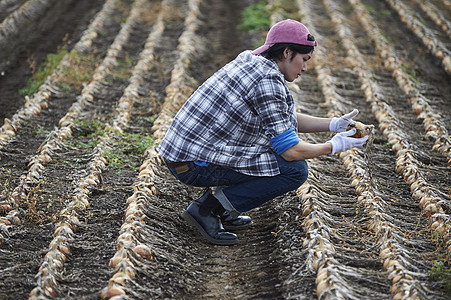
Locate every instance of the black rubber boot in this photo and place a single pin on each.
(237, 223)
(203, 214)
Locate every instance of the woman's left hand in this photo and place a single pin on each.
(341, 124)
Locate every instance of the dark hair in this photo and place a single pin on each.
(276, 51)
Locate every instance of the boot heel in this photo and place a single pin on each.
(193, 222)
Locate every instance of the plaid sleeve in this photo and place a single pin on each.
(271, 105)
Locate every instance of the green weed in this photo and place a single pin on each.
(129, 147)
(441, 273)
(31, 200)
(388, 38)
(88, 128)
(41, 130)
(124, 69)
(78, 71)
(370, 9)
(255, 17)
(42, 72)
(150, 119)
(413, 75)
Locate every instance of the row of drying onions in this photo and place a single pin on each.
(109, 9)
(321, 251)
(432, 121)
(324, 283)
(130, 251)
(21, 18)
(406, 163)
(17, 26)
(38, 101)
(318, 223)
(7, 6)
(435, 15)
(54, 141)
(390, 241)
(7, 221)
(68, 217)
(423, 33)
(35, 104)
(182, 84)
(404, 286)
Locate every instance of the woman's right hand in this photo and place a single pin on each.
(344, 141)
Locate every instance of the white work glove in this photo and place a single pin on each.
(343, 141)
(341, 124)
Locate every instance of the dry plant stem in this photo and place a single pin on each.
(422, 32)
(404, 285)
(67, 224)
(49, 88)
(316, 225)
(182, 85)
(321, 251)
(39, 101)
(406, 162)
(20, 23)
(389, 240)
(435, 128)
(55, 140)
(434, 14)
(446, 3)
(144, 187)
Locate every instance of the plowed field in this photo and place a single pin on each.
(88, 210)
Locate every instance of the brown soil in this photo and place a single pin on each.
(269, 262)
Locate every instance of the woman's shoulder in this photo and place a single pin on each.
(252, 67)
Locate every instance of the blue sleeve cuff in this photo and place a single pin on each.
(284, 141)
(201, 163)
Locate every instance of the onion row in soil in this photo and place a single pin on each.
(366, 225)
(69, 216)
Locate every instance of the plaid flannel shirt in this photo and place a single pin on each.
(230, 118)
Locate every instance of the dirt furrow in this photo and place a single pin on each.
(436, 16)
(129, 39)
(24, 24)
(413, 260)
(8, 6)
(76, 18)
(41, 203)
(435, 128)
(103, 212)
(431, 39)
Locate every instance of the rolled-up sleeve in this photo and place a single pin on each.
(272, 107)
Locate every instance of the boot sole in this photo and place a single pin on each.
(188, 218)
(241, 227)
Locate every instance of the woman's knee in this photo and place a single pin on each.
(297, 171)
(302, 171)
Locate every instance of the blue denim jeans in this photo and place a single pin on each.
(245, 192)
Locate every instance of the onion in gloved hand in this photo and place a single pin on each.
(361, 129)
(344, 141)
(340, 124)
